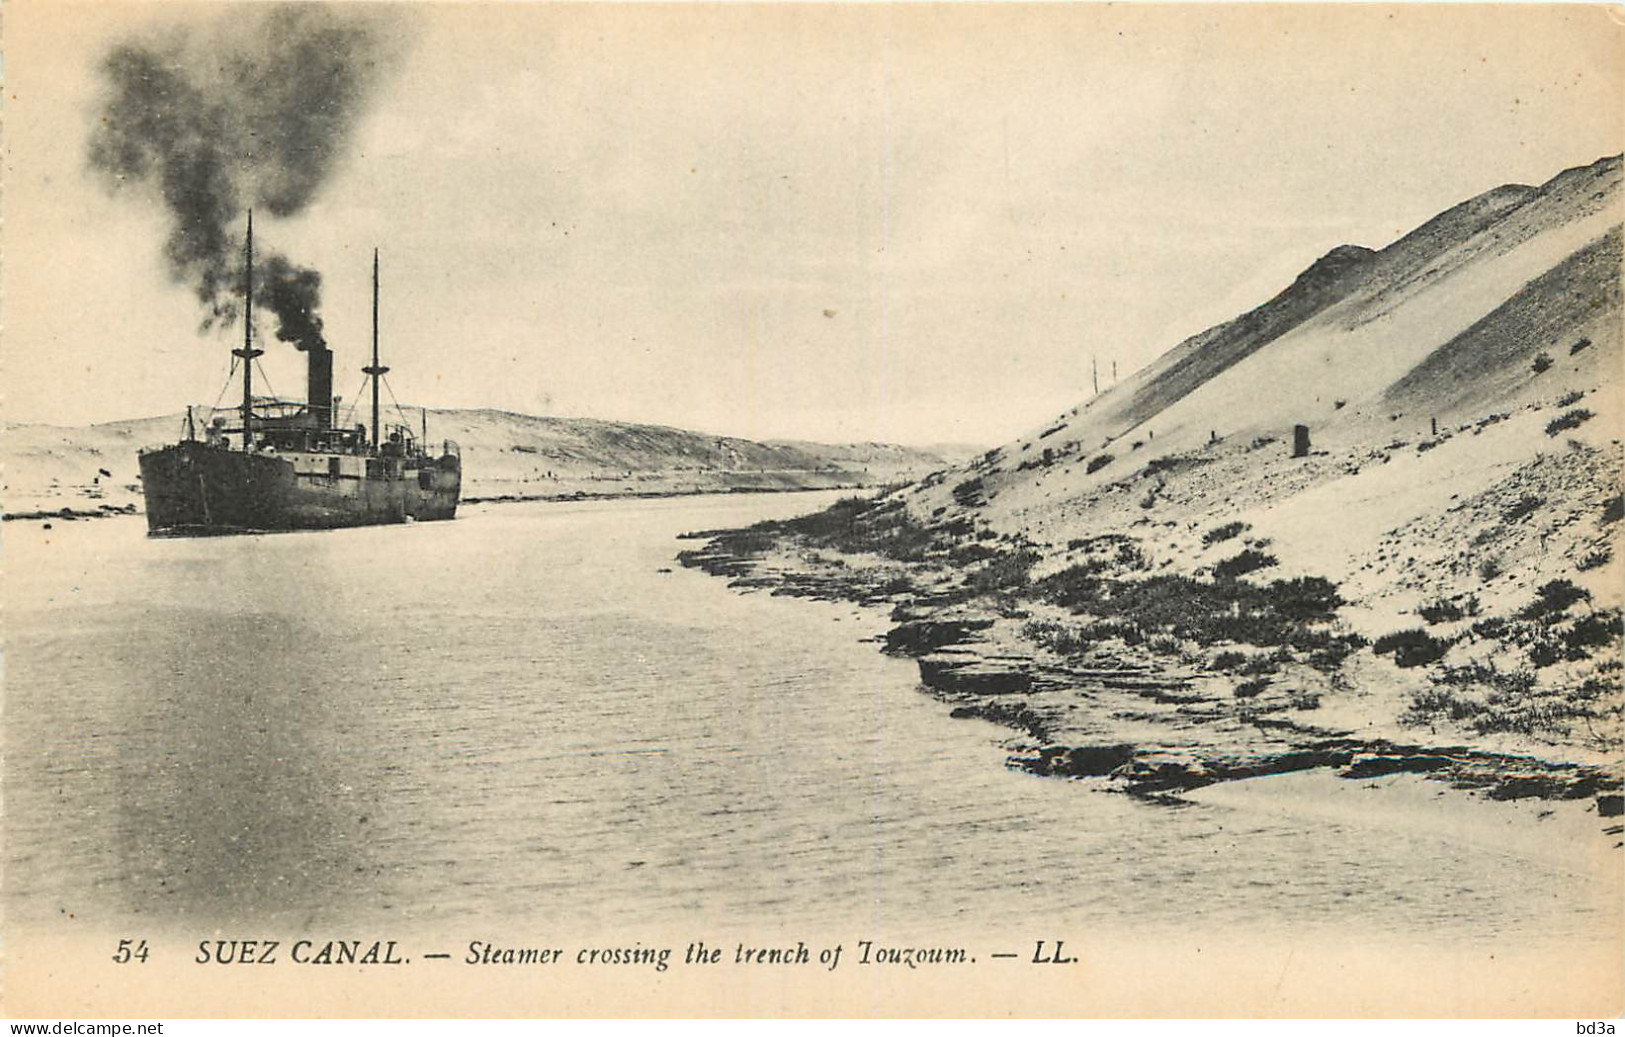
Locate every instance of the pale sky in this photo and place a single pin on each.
(908, 223)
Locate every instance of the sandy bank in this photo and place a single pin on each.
(1153, 719)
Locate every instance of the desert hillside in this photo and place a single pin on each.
(1474, 358)
(1172, 584)
(93, 468)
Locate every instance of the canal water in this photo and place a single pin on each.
(533, 718)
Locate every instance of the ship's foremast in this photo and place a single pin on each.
(248, 352)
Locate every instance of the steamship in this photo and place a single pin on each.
(287, 466)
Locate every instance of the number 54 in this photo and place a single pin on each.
(130, 950)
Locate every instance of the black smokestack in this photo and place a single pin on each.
(319, 386)
(255, 112)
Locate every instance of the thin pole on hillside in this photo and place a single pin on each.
(1094, 373)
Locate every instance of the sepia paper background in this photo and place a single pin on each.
(913, 76)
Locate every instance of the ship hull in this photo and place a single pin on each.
(196, 489)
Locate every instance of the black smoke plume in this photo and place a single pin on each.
(293, 294)
(256, 112)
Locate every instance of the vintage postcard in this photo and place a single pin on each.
(547, 509)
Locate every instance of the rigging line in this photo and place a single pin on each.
(354, 400)
(269, 388)
(231, 376)
(398, 408)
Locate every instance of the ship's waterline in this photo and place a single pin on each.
(531, 721)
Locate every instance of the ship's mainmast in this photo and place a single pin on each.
(377, 370)
(248, 352)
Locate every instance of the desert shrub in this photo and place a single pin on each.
(1553, 598)
(1439, 611)
(1327, 650)
(1446, 698)
(1442, 610)
(1125, 630)
(1260, 665)
(838, 517)
(1596, 559)
(1252, 688)
(1228, 660)
(1219, 534)
(1491, 701)
(1303, 700)
(1570, 398)
(1174, 463)
(1206, 613)
(1006, 571)
(1261, 442)
(855, 524)
(1163, 644)
(1583, 343)
(1129, 556)
(1077, 587)
(1093, 565)
(1544, 651)
(1330, 655)
(1241, 564)
(1414, 647)
(1522, 508)
(1613, 510)
(1596, 630)
(1489, 569)
(751, 542)
(1097, 463)
(1573, 419)
(968, 494)
(970, 554)
(1057, 637)
(1542, 363)
(896, 585)
(1495, 628)
(1389, 642)
(1305, 598)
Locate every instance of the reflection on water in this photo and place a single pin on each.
(517, 718)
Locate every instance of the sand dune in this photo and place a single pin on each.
(1157, 586)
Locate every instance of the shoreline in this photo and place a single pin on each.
(1120, 718)
(583, 495)
(71, 514)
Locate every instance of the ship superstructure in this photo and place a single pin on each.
(287, 465)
